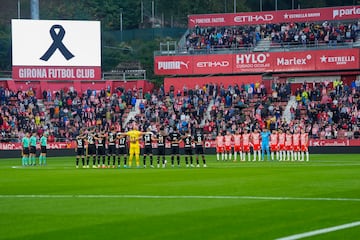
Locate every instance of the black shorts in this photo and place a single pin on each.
(175, 150)
(161, 151)
(199, 149)
(101, 151)
(32, 149)
(122, 150)
(43, 149)
(91, 150)
(112, 150)
(80, 152)
(147, 149)
(26, 151)
(188, 151)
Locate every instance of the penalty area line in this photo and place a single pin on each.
(320, 231)
(99, 196)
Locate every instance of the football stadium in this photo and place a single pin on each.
(244, 124)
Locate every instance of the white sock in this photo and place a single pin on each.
(272, 156)
(295, 156)
(277, 156)
(235, 156)
(222, 156)
(249, 156)
(302, 156)
(241, 156)
(280, 153)
(218, 156)
(307, 156)
(259, 152)
(229, 156)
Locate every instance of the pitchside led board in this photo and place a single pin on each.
(56, 50)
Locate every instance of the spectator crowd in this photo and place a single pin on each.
(325, 110)
(331, 33)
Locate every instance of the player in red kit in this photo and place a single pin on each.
(288, 146)
(304, 143)
(237, 146)
(255, 140)
(246, 144)
(228, 140)
(274, 145)
(296, 145)
(219, 147)
(281, 145)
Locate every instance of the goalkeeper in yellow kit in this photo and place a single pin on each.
(134, 138)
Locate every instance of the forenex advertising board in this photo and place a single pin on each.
(56, 50)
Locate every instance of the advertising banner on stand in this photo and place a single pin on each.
(299, 61)
(280, 16)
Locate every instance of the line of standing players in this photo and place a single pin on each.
(280, 145)
(109, 149)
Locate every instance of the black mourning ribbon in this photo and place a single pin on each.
(57, 44)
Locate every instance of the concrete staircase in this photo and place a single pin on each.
(133, 112)
(263, 45)
(287, 113)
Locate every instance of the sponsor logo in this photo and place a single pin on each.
(301, 15)
(208, 20)
(172, 65)
(254, 18)
(346, 12)
(213, 64)
(252, 61)
(339, 60)
(292, 61)
(251, 58)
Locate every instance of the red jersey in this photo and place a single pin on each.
(255, 137)
(304, 141)
(228, 140)
(274, 142)
(219, 144)
(296, 141)
(246, 142)
(237, 142)
(288, 142)
(281, 141)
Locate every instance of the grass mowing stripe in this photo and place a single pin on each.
(180, 197)
(320, 231)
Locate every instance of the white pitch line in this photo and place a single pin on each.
(320, 231)
(180, 197)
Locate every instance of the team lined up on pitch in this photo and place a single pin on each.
(114, 145)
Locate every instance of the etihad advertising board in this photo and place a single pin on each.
(280, 16)
(340, 59)
(56, 50)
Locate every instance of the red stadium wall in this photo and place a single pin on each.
(79, 86)
(192, 82)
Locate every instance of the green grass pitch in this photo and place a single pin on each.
(226, 200)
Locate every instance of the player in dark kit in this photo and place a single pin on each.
(175, 139)
(112, 139)
(101, 139)
(199, 147)
(91, 151)
(147, 138)
(160, 138)
(122, 150)
(80, 149)
(188, 141)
